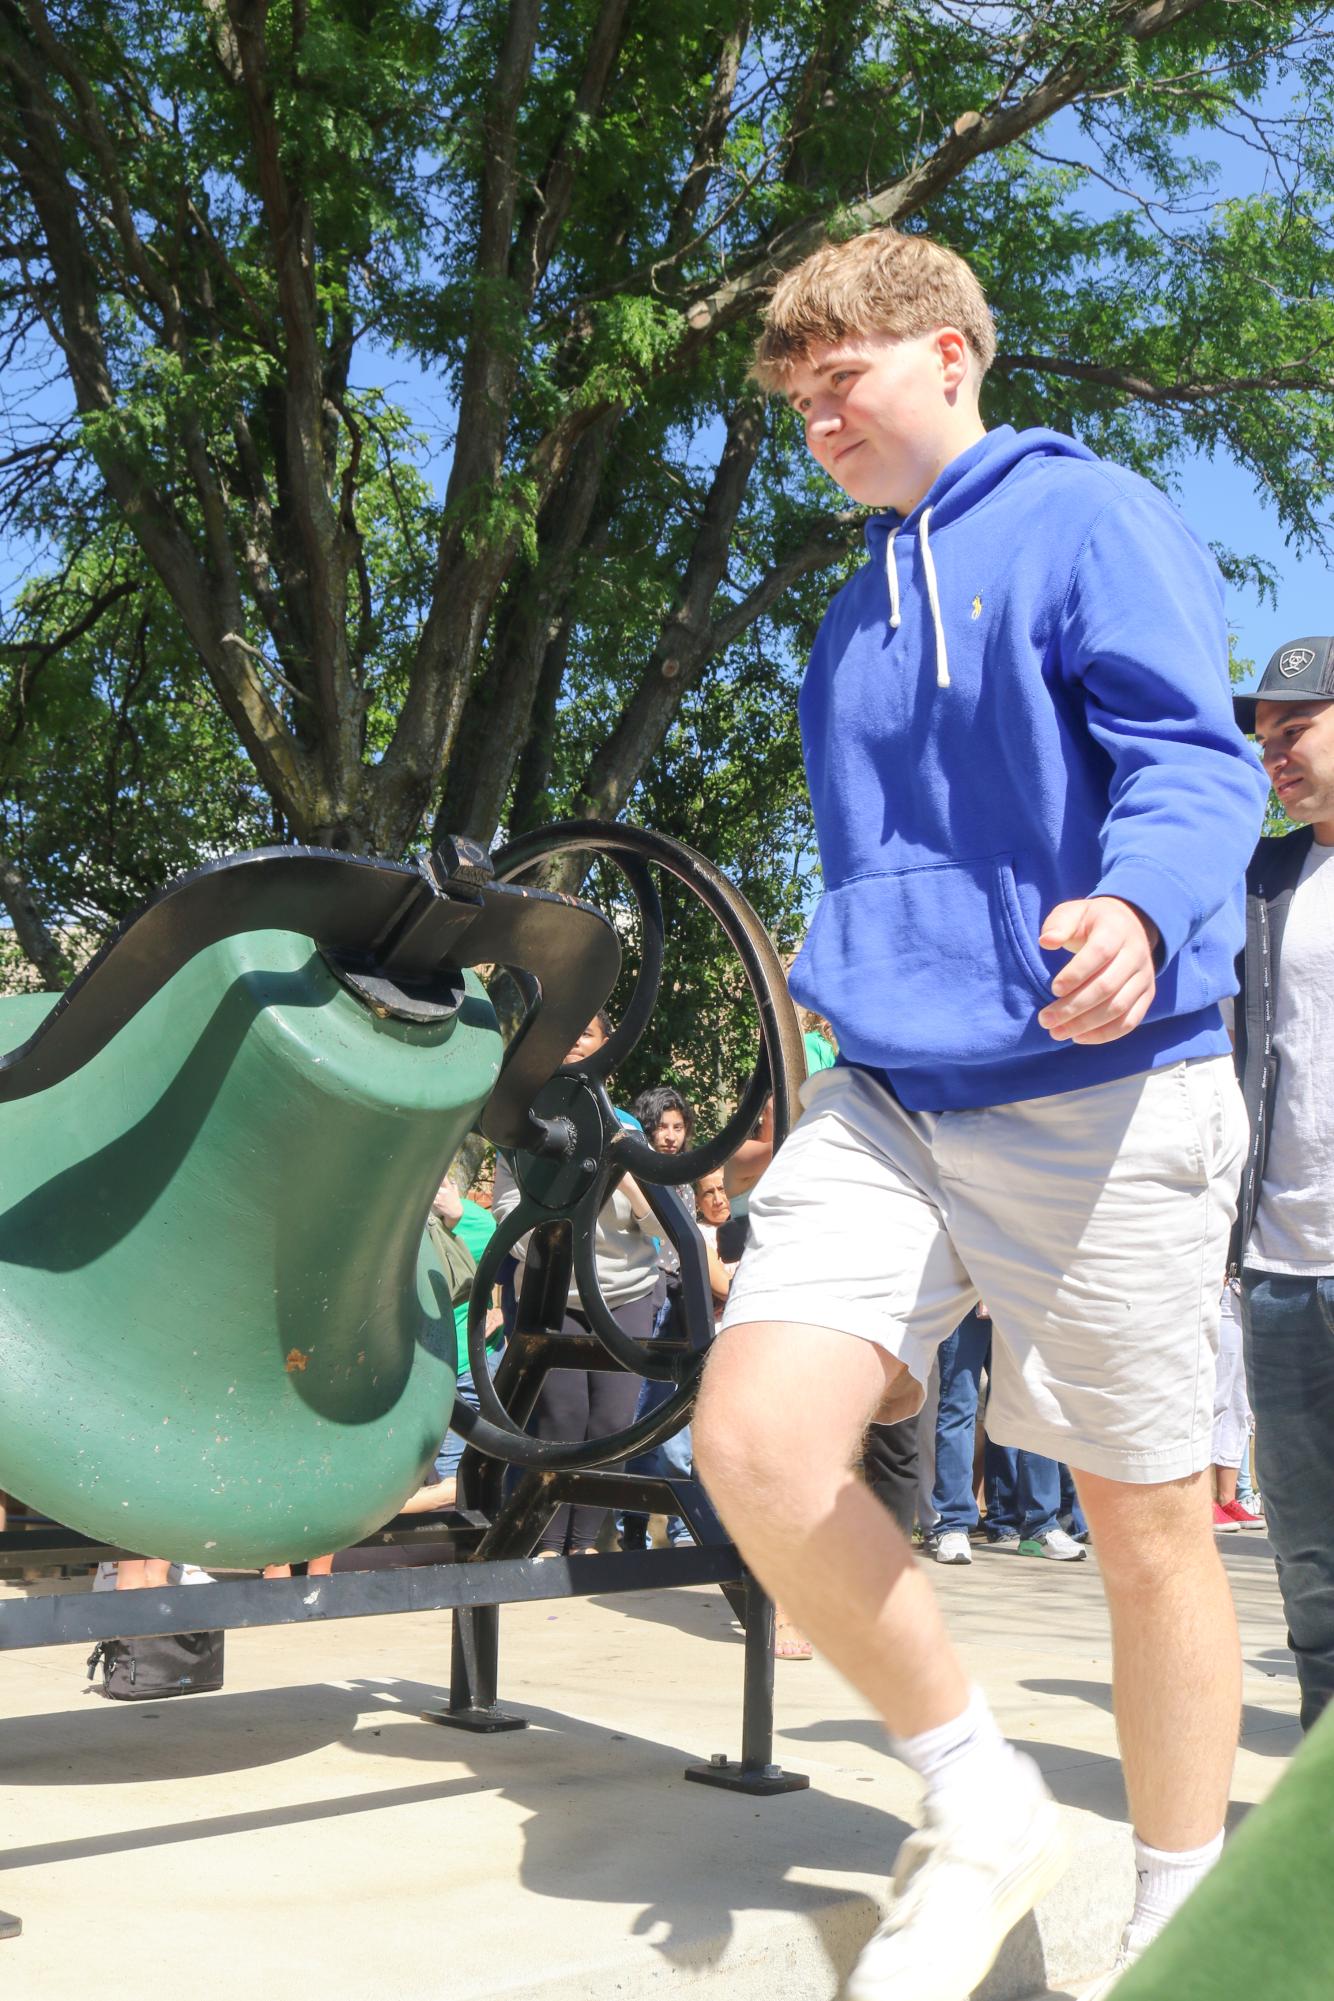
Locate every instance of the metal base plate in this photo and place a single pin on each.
(10, 1926)
(483, 1722)
(762, 1781)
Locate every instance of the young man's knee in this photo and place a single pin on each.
(735, 1448)
(751, 1439)
(1144, 1533)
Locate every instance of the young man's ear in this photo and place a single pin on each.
(956, 362)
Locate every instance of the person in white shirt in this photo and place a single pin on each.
(1285, 1242)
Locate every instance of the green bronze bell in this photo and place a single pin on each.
(224, 1336)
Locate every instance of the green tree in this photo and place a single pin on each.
(117, 769)
(222, 222)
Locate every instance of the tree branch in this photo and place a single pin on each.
(104, 151)
(338, 707)
(37, 941)
(32, 143)
(619, 766)
(1291, 376)
(32, 655)
(495, 722)
(545, 213)
(490, 366)
(532, 778)
(973, 136)
(828, 542)
(637, 737)
(678, 653)
(712, 133)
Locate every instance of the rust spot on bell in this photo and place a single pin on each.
(295, 1360)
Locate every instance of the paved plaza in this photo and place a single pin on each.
(305, 1833)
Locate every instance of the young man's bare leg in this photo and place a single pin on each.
(781, 1418)
(780, 1422)
(1176, 1673)
(1176, 1654)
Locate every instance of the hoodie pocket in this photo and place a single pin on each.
(927, 966)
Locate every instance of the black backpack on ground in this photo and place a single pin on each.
(158, 1665)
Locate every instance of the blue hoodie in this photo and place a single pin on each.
(1022, 698)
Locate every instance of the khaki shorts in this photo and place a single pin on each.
(1094, 1225)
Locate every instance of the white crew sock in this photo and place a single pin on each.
(1164, 1878)
(967, 1758)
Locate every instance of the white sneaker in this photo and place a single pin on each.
(959, 1887)
(953, 1547)
(1127, 1953)
(1056, 1544)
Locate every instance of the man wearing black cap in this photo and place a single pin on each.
(1285, 1229)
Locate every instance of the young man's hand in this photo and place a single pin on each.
(1106, 989)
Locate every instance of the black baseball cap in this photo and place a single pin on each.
(1301, 671)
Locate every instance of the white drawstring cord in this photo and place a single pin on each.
(929, 571)
(892, 573)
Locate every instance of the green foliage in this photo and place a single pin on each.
(319, 259)
(117, 769)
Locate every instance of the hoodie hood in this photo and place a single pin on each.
(966, 483)
(977, 473)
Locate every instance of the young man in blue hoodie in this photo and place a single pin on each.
(1034, 811)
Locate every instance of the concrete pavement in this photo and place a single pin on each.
(304, 1831)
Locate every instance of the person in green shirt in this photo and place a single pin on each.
(460, 1230)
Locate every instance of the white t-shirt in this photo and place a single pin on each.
(624, 1249)
(1293, 1230)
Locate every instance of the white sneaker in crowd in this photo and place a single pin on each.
(1132, 1945)
(960, 1886)
(953, 1547)
(1056, 1544)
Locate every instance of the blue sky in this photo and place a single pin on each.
(1221, 503)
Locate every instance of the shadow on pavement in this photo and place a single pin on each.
(1273, 1733)
(608, 1815)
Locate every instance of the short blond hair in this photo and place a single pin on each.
(882, 283)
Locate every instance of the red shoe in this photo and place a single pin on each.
(1223, 1522)
(1243, 1517)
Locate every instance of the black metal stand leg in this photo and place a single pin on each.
(10, 1926)
(756, 1773)
(474, 1662)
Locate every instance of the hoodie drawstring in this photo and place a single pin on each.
(932, 592)
(891, 571)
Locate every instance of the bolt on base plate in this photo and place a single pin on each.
(763, 1781)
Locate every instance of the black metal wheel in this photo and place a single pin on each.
(563, 1190)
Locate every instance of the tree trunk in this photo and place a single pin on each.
(37, 940)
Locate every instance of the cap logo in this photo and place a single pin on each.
(1295, 660)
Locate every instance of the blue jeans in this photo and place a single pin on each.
(1288, 1332)
(453, 1447)
(961, 1360)
(674, 1459)
(1025, 1492)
